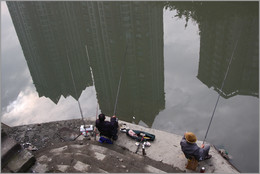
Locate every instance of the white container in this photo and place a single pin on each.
(88, 128)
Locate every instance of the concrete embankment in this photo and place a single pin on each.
(58, 148)
(166, 148)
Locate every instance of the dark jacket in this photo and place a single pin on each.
(191, 149)
(107, 128)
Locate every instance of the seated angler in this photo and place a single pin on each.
(190, 148)
(107, 128)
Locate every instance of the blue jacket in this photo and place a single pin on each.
(107, 128)
(191, 149)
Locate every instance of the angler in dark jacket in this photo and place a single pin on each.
(107, 128)
(190, 148)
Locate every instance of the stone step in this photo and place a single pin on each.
(21, 162)
(14, 157)
(9, 148)
(90, 156)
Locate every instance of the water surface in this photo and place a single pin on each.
(175, 62)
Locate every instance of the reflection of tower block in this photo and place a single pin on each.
(192, 164)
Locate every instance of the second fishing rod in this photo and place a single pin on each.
(120, 78)
(222, 85)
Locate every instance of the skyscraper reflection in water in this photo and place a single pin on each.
(221, 25)
(52, 32)
(49, 32)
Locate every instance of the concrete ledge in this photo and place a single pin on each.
(165, 152)
(8, 149)
(166, 148)
(21, 162)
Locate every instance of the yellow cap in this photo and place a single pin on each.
(190, 137)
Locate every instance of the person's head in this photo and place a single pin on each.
(101, 117)
(190, 137)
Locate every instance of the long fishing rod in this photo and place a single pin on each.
(90, 67)
(95, 130)
(221, 88)
(75, 89)
(92, 77)
(119, 83)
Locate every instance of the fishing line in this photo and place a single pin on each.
(122, 70)
(75, 89)
(221, 88)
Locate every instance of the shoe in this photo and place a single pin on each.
(208, 157)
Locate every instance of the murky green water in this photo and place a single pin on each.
(173, 60)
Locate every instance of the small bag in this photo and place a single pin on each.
(105, 140)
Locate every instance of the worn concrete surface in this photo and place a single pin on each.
(166, 148)
(92, 157)
(57, 153)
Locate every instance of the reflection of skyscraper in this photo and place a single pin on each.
(114, 26)
(49, 33)
(221, 24)
(218, 37)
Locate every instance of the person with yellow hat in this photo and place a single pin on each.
(190, 148)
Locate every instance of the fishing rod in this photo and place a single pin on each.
(119, 83)
(92, 77)
(95, 130)
(221, 88)
(75, 89)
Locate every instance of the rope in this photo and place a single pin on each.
(76, 92)
(122, 70)
(221, 89)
